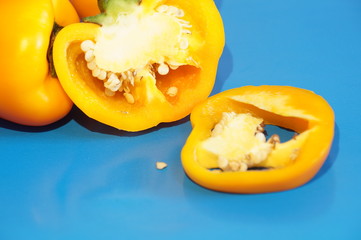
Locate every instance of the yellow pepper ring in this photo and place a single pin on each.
(298, 109)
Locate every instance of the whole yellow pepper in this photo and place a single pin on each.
(29, 94)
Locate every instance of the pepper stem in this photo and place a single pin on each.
(111, 9)
(56, 29)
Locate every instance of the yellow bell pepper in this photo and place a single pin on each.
(227, 149)
(140, 63)
(29, 94)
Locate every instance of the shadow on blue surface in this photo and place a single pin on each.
(289, 207)
(92, 125)
(95, 126)
(293, 206)
(332, 155)
(218, 3)
(225, 68)
(22, 128)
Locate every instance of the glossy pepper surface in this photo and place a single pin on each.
(86, 8)
(140, 63)
(209, 158)
(29, 94)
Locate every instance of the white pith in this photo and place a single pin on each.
(137, 46)
(239, 142)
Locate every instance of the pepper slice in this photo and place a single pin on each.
(140, 63)
(227, 145)
(29, 94)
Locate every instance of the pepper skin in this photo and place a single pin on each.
(86, 8)
(29, 95)
(150, 102)
(293, 108)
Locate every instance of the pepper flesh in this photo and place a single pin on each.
(293, 108)
(86, 8)
(29, 95)
(148, 104)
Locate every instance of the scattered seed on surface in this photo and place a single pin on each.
(161, 165)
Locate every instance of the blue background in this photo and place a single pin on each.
(78, 179)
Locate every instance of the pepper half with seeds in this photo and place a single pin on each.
(140, 63)
(227, 146)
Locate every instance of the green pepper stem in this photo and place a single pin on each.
(111, 9)
(55, 31)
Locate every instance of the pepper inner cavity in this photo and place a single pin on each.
(239, 142)
(139, 45)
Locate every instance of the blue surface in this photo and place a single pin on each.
(79, 179)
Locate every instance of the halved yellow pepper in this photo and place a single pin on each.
(289, 165)
(152, 97)
(29, 94)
